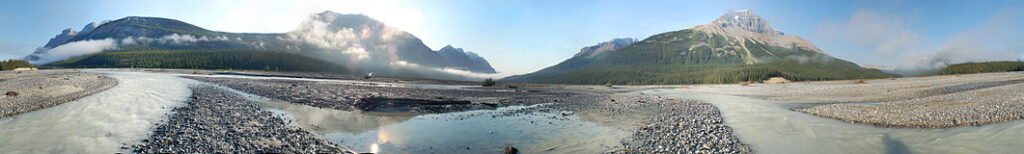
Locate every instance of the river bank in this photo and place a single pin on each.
(27, 91)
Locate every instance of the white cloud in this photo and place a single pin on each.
(893, 39)
(86, 47)
(476, 75)
(886, 34)
(13, 51)
(282, 16)
(75, 49)
(998, 39)
(402, 63)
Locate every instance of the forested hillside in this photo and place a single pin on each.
(204, 59)
(690, 57)
(986, 67)
(13, 63)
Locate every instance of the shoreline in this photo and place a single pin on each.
(653, 121)
(944, 101)
(36, 90)
(214, 120)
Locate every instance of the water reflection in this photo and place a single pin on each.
(480, 131)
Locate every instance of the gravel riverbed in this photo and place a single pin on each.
(217, 121)
(27, 91)
(659, 124)
(350, 97)
(919, 102)
(968, 108)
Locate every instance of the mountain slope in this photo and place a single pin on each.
(358, 42)
(588, 54)
(204, 59)
(737, 47)
(983, 67)
(465, 60)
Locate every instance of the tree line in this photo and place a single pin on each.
(204, 59)
(11, 64)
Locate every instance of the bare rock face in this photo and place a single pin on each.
(743, 25)
(459, 58)
(89, 27)
(745, 20)
(614, 44)
(64, 36)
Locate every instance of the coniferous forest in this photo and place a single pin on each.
(203, 59)
(986, 67)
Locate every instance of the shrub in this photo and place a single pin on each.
(489, 82)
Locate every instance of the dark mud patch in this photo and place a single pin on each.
(383, 104)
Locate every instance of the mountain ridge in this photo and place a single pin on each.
(356, 41)
(737, 47)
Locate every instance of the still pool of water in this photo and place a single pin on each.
(771, 127)
(480, 131)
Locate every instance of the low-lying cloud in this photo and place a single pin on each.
(885, 34)
(997, 39)
(476, 76)
(86, 47)
(891, 38)
(73, 49)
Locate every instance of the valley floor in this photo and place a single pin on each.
(282, 112)
(932, 101)
(184, 111)
(27, 91)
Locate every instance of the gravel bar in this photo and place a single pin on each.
(968, 108)
(217, 121)
(659, 125)
(27, 91)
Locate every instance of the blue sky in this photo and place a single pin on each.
(520, 36)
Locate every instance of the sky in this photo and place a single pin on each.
(521, 36)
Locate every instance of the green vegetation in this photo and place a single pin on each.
(986, 67)
(203, 59)
(152, 27)
(489, 82)
(13, 63)
(668, 59)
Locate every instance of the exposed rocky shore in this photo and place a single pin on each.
(660, 125)
(27, 91)
(362, 97)
(217, 121)
(919, 102)
(968, 108)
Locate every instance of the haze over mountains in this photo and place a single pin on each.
(739, 46)
(358, 42)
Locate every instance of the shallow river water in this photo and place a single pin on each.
(98, 123)
(771, 127)
(106, 121)
(480, 131)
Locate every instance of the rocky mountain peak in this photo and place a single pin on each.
(613, 44)
(744, 25)
(89, 27)
(745, 20)
(459, 58)
(68, 31)
(449, 48)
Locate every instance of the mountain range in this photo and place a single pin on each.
(355, 41)
(739, 46)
